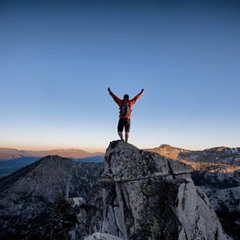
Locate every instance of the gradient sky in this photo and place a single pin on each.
(57, 59)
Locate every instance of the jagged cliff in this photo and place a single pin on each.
(147, 196)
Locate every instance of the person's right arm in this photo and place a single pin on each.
(115, 98)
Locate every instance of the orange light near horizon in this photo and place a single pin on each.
(47, 148)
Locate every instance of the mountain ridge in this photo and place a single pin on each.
(215, 155)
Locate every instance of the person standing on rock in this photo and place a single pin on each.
(125, 107)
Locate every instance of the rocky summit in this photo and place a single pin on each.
(148, 196)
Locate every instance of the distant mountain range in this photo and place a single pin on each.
(13, 159)
(217, 155)
(11, 154)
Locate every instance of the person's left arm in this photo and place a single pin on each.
(137, 97)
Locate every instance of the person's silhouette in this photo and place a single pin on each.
(125, 106)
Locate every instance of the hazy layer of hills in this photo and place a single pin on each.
(10, 153)
(13, 159)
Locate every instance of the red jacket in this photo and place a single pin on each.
(121, 101)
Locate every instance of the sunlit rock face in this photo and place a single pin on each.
(147, 196)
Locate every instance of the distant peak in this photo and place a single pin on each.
(164, 145)
(55, 158)
(220, 148)
(170, 147)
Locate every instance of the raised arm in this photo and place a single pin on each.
(137, 97)
(115, 98)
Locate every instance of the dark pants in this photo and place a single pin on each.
(124, 123)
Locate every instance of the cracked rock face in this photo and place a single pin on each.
(148, 196)
(102, 236)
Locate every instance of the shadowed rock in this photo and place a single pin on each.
(102, 236)
(35, 201)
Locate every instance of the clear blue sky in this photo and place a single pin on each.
(57, 59)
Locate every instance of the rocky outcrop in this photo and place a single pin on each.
(147, 196)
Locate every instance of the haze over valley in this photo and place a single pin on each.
(14, 159)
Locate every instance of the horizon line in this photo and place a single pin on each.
(101, 150)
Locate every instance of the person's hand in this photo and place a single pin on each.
(109, 90)
(142, 90)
